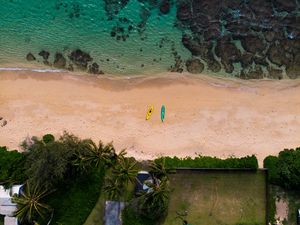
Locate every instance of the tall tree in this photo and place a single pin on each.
(29, 205)
(154, 202)
(125, 171)
(113, 188)
(159, 169)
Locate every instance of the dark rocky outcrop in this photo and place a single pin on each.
(293, 69)
(278, 55)
(165, 6)
(265, 35)
(184, 12)
(80, 58)
(285, 5)
(30, 57)
(253, 44)
(70, 67)
(44, 54)
(3, 123)
(261, 60)
(228, 53)
(256, 73)
(194, 66)
(270, 36)
(275, 73)
(246, 59)
(214, 66)
(94, 69)
(113, 7)
(59, 61)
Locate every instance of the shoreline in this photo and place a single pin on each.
(205, 115)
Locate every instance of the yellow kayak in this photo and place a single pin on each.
(149, 112)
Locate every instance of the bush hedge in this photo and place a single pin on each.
(131, 217)
(47, 138)
(284, 170)
(11, 167)
(249, 162)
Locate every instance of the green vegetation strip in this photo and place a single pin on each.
(249, 162)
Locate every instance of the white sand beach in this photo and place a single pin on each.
(204, 115)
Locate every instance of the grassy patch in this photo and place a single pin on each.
(96, 217)
(218, 198)
(1, 220)
(97, 214)
(130, 217)
(74, 202)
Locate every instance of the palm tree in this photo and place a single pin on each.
(154, 202)
(125, 171)
(159, 169)
(113, 188)
(98, 155)
(29, 205)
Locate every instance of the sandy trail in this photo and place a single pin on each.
(204, 115)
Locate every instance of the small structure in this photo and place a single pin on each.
(7, 207)
(113, 210)
(142, 177)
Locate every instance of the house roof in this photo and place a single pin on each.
(10, 220)
(6, 205)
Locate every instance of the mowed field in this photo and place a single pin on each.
(217, 198)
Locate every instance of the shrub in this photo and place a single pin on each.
(271, 162)
(47, 138)
(11, 167)
(284, 170)
(249, 162)
(131, 217)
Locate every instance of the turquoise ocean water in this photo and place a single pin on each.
(62, 26)
(129, 37)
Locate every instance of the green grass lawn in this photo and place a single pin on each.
(1, 220)
(218, 198)
(74, 202)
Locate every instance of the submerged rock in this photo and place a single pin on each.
(253, 44)
(94, 68)
(184, 13)
(59, 61)
(228, 53)
(278, 55)
(293, 69)
(256, 73)
(246, 59)
(30, 57)
(214, 66)
(44, 54)
(285, 5)
(80, 58)
(165, 6)
(261, 60)
(275, 73)
(194, 66)
(113, 7)
(70, 67)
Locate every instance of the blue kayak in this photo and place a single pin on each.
(162, 113)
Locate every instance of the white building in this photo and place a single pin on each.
(7, 208)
